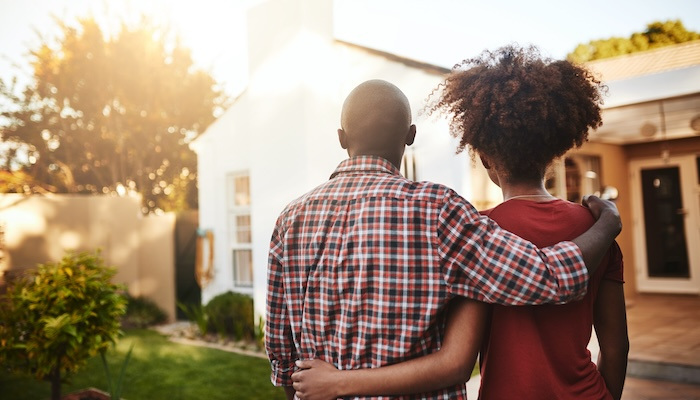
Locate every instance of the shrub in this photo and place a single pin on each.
(142, 312)
(196, 314)
(63, 314)
(231, 314)
(260, 334)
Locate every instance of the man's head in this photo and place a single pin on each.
(376, 120)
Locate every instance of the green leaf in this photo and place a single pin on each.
(53, 325)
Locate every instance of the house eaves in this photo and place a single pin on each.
(658, 86)
(423, 66)
(193, 145)
(667, 72)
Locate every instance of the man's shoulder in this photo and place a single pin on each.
(314, 194)
(299, 201)
(426, 191)
(391, 186)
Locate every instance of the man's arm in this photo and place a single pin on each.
(595, 242)
(279, 343)
(451, 365)
(487, 263)
(289, 392)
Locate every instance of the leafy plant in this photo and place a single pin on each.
(232, 314)
(260, 333)
(142, 312)
(58, 316)
(115, 387)
(196, 314)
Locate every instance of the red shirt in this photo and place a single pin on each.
(361, 269)
(540, 352)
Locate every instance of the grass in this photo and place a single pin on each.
(160, 369)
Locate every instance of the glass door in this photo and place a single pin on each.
(666, 229)
(664, 222)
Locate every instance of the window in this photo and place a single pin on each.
(574, 177)
(239, 232)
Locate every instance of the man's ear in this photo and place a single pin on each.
(485, 161)
(411, 135)
(343, 139)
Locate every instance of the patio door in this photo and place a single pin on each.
(666, 208)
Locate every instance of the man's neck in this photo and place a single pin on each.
(389, 157)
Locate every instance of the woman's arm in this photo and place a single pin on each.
(610, 321)
(451, 365)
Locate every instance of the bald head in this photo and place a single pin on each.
(376, 120)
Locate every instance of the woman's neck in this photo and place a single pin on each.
(534, 191)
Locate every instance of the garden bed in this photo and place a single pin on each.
(186, 332)
(87, 394)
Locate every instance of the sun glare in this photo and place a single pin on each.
(214, 30)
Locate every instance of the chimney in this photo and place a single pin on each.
(273, 23)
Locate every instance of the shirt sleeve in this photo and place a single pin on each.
(279, 343)
(484, 262)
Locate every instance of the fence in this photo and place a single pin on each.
(41, 228)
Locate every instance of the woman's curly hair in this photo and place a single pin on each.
(518, 108)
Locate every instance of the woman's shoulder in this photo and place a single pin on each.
(556, 204)
(486, 212)
(554, 212)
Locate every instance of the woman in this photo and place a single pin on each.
(519, 113)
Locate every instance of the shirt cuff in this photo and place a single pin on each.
(572, 272)
(281, 372)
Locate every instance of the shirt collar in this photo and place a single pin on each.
(365, 165)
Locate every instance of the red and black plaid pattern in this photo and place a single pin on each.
(361, 268)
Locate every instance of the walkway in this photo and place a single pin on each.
(664, 333)
(647, 389)
(665, 329)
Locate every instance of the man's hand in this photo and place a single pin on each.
(604, 208)
(595, 242)
(315, 380)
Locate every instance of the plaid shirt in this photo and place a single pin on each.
(361, 269)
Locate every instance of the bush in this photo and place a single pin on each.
(231, 314)
(196, 314)
(142, 312)
(58, 317)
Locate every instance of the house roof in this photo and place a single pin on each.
(652, 95)
(430, 68)
(333, 49)
(648, 62)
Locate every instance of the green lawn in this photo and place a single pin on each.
(159, 369)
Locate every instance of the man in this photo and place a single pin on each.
(362, 267)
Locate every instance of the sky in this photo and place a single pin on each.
(440, 32)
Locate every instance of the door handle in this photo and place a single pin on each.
(681, 211)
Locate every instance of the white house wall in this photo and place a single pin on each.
(223, 150)
(282, 130)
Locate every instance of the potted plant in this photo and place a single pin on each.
(58, 316)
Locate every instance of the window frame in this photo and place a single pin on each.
(234, 211)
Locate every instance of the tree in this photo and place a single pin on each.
(58, 317)
(108, 114)
(658, 34)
